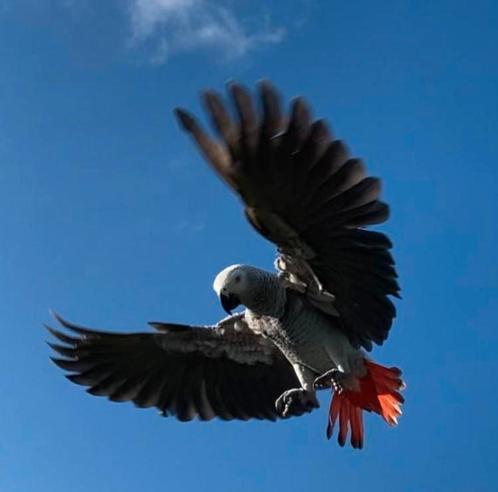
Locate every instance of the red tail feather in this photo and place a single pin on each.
(378, 392)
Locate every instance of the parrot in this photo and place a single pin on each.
(307, 326)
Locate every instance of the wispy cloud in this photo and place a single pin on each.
(169, 27)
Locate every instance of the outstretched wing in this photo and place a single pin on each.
(304, 192)
(224, 370)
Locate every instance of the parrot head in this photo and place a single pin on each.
(232, 285)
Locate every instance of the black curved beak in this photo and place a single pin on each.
(229, 302)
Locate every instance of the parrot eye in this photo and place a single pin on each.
(237, 279)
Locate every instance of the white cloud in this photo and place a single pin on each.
(174, 26)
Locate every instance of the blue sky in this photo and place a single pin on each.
(109, 216)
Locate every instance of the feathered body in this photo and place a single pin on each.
(306, 336)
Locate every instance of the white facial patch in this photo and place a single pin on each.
(222, 278)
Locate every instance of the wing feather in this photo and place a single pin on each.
(187, 372)
(303, 191)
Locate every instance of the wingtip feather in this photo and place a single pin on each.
(185, 119)
(61, 336)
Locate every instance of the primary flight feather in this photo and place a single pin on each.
(306, 326)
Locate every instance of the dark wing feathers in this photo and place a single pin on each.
(304, 191)
(187, 372)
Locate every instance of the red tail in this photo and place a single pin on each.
(378, 392)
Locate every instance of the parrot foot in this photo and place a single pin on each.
(295, 402)
(330, 379)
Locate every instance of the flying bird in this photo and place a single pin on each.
(306, 326)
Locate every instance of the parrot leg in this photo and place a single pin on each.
(330, 379)
(295, 402)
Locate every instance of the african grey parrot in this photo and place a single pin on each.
(304, 327)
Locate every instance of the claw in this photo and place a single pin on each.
(296, 402)
(330, 379)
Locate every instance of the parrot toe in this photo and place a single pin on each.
(296, 402)
(330, 379)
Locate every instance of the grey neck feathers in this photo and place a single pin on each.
(269, 297)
